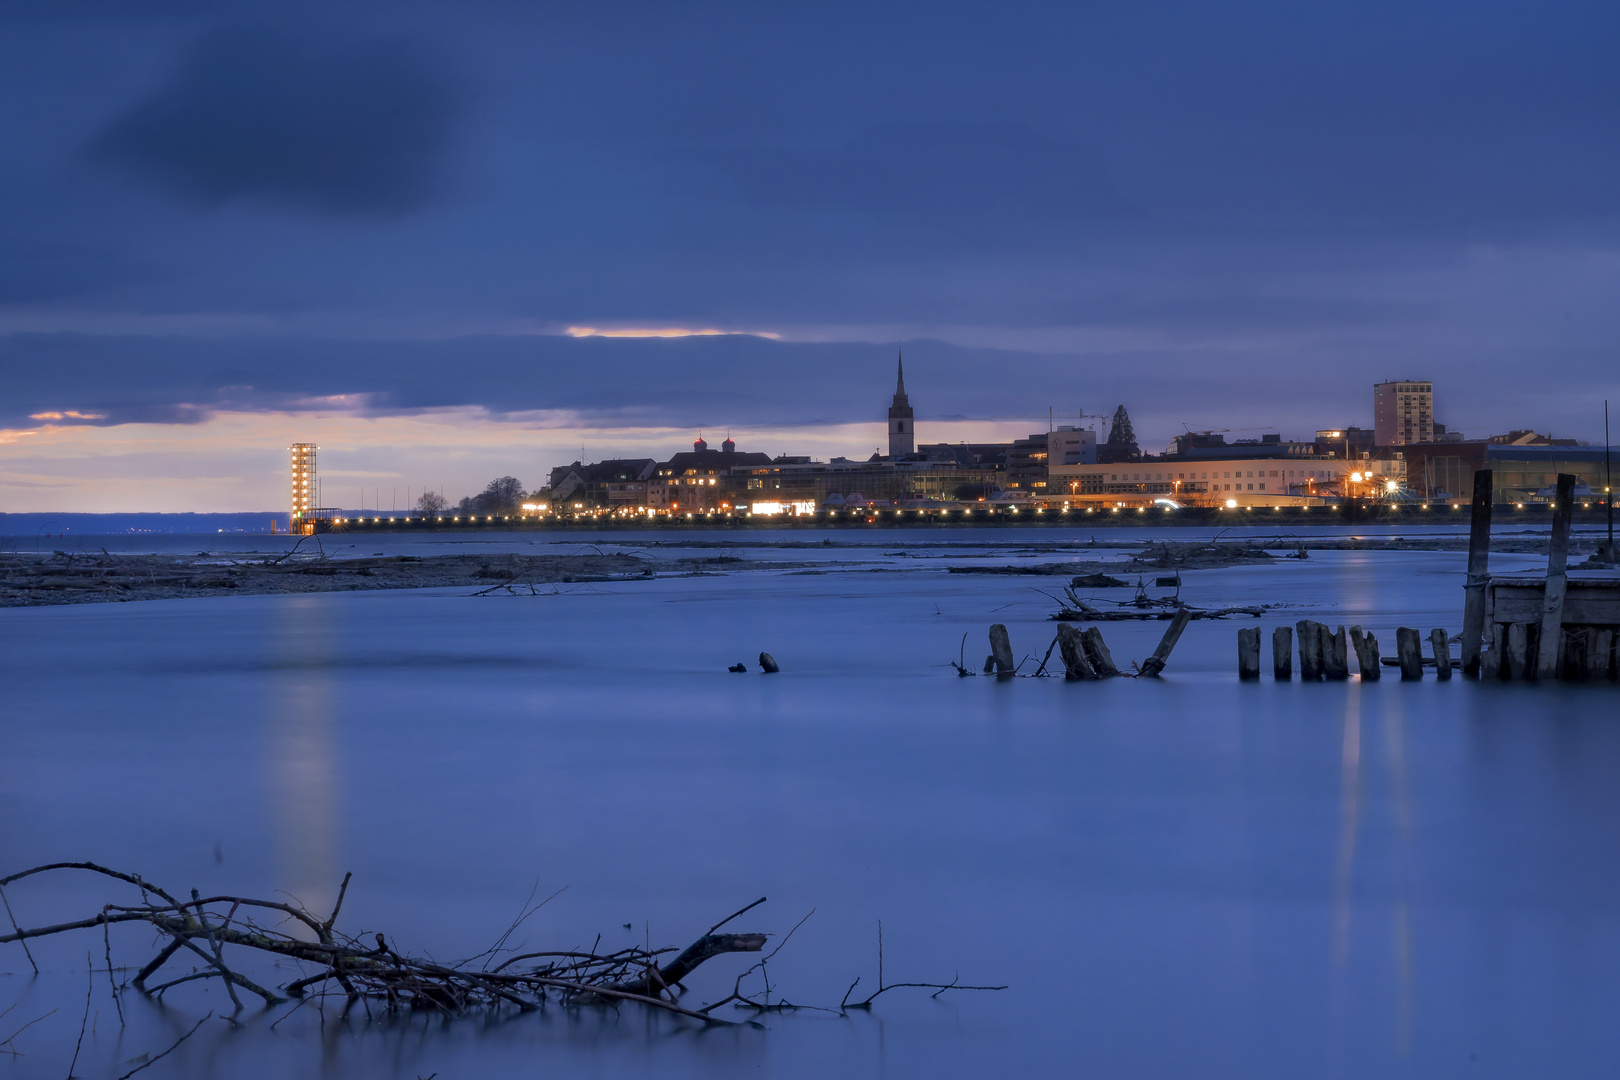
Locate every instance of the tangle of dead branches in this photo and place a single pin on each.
(211, 932)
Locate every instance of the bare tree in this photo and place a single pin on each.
(432, 502)
(503, 495)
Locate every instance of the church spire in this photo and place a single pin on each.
(902, 435)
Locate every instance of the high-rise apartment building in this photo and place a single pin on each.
(303, 484)
(1403, 412)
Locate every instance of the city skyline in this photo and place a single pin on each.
(458, 239)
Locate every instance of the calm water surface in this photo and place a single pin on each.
(1189, 877)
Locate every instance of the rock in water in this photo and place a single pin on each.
(767, 663)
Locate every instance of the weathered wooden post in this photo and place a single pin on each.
(1310, 649)
(1154, 664)
(1282, 653)
(1102, 661)
(1601, 656)
(1441, 646)
(1335, 654)
(1490, 661)
(1001, 650)
(1479, 554)
(1367, 659)
(1573, 662)
(1409, 649)
(1519, 662)
(1073, 651)
(1552, 608)
(1249, 652)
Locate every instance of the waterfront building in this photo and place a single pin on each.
(1028, 460)
(614, 483)
(1203, 469)
(1248, 481)
(700, 479)
(797, 484)
(902, 424)
(1403, 413)
(1348, 442)
(305, 492)
(1524, 468)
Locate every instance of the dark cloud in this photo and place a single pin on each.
(350, 126)
(986, 183)
(741, 381)
(33, 270)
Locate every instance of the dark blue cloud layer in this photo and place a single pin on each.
(1276, 198)
(346, 125)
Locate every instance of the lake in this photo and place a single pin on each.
(1174, 878)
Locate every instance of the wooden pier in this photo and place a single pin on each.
(1543, 628)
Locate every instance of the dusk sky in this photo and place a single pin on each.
(414, 234)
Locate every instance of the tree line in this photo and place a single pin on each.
(503, 495)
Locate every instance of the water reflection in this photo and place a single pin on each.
(1349, 824)
(300, 758)
(1401, 812)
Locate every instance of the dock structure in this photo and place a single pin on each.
(1515, 628)
(1548, 628)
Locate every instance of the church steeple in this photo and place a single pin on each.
(902, 432)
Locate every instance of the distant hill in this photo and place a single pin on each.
(125, 524)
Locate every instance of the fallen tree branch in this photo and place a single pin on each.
(210, 927)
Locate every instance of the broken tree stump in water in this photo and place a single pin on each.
(1409, 650)
(1282, 653)
(1001, 650)
(767, 663)
(1154, 664)
(1442, 653)
(1335, 654)
(1310, 649)
(1249, 652)
(1102, 661)
(1366, 653)
(1071, 647)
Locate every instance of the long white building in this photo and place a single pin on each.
(1245, 481)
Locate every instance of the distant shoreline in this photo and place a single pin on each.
(74, 577)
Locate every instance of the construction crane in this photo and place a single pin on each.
(1051, 417)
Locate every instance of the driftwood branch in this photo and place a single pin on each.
(214, 928)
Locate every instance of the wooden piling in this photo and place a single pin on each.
(1367, 659)
(1001, 650)
(1154, 664)
(1409, 650)
(1441, 647)
(1282, 653)
(1572, 659)
(1490, 661)
(1310, 649)
(1552, 610)
(1102, 661)
(1600, 658)
(1479, 553)
(1073, 652)
(1518, 647)
(1335, 655)
(1249, 652)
